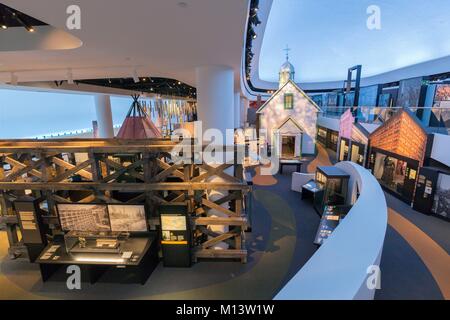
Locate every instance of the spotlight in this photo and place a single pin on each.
(179, 82)
(254, 36)
(23, 23)
(3, 23)
(135, 76)
(14, 79)
(69, 76)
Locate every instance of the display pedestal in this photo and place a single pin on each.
(142, 260)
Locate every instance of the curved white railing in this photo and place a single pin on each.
(342, 267)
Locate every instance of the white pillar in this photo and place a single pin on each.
(104, 116)
(215, 97)
(244, 108)
(237, 110)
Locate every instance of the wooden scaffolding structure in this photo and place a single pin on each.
(88, 171)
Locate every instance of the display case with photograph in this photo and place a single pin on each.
(94, 242)
(83, 217)
(129, 218)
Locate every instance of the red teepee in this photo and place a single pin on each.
(137, 124)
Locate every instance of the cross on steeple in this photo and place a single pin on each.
(287, 52)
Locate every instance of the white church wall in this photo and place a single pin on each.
(304, 113)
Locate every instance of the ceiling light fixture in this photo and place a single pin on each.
(69, 76)
(27, 26)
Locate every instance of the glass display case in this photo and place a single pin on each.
(95, 242)
(333, 184)
(331, 217)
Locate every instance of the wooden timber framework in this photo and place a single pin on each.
(94, 170)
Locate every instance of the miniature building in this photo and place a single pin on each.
(290, 118)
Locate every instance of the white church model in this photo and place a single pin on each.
(290, 118)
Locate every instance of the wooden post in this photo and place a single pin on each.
(3, 206)
(47, 175)
(96, 172)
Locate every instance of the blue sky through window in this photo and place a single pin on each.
(33, 113)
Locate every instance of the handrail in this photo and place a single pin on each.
(339, 268)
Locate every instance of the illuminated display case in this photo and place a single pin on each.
(397, 152)
(334, 187)
(95, 242)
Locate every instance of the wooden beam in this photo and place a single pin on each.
(73, 170)
(160, 186)
(19, 164)
(15, 174)
(166, 166)
(217, 221)
(123, 170)
(222, 237)
(118, 166)
(60, 162)
(217, 207)
(59, 199)
(165, 173)
(226, 253)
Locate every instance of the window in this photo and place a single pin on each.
(288, 101)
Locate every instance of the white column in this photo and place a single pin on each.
(244, 108)
(215, 97)
(104, 116)
(215, 108)
(237, 110)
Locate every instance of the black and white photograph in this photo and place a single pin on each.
(83, 217)
(127, 218)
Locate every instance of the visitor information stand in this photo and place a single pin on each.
(31, 226)
(175, 236)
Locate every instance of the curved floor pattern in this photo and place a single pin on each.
(435, 258)
(322, 159)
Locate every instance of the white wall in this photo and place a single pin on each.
(338, 269)
(440, 151)
(274, 114)
(328, 122)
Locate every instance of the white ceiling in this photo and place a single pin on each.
(159, 37)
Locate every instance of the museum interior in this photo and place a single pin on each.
(224, 150)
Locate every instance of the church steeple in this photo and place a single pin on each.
(287, 71)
